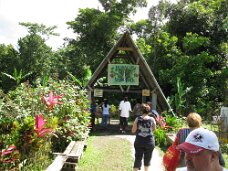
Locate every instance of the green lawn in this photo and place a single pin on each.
(106, 153)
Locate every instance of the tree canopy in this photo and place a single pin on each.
(185, 44)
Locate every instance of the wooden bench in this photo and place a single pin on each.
(171, 137)
(69, 158)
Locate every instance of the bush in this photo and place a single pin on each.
(37, 124)
(160, 137)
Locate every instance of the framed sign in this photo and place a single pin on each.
(123, 74)
(98, 93)
(145, 92)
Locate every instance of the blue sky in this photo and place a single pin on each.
(48, 12)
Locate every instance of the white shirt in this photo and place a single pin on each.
(125, 108)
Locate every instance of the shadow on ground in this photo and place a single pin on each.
(112, 129)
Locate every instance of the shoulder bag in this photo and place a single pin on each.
(172, 156)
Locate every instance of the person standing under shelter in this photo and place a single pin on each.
(144, 144)
(93, 108)
(137, 108)
(105, 113)
(125, 109)
(201, 149)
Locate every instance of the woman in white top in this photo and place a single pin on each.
(105, 113)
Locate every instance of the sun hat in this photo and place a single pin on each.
(198, 140)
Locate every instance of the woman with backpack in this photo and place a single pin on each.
(144, 144)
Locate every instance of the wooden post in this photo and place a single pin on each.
(89, 96)
(154, 100)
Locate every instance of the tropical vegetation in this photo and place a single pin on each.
(42, 95)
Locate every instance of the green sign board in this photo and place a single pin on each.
(123, 74)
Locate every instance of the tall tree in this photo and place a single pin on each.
(35, 55)
(96, 31)
(189, 40)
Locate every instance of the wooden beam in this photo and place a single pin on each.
(137, 91)
(137, 62)
(109, 61)
(121, 88)
(125, 49)
(90, 88)
(122, 56)
(154, 90)
(128, 88)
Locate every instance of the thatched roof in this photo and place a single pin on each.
(126, 49)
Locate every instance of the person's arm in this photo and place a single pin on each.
(134, 127)
(134, 110)
(130, 107)
(120, 106)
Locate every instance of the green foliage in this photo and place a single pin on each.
(8, 61)
(192, 42)
(160, 137)
(17, 76)
(173, 121)
(68, 120)
(144, 48)
(122, 8)
(179, 99)
(34, 28)
(35, 55)
(96, 34)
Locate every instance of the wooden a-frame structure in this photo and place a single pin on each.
(127, 50)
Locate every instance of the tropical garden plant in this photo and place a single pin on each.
(38, 120)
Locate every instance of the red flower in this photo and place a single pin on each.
(161, 121)
(9, 155)
(51, 100)
(8, 150)
(40, 130)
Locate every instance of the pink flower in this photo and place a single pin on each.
(51, 100)
(40, 130)
(8, 150)
(161, 121)
(9, 155)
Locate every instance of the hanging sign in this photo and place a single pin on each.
(145, 92)
(123, 74)
(98, 93)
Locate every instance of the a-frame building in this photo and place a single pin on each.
(126, 50)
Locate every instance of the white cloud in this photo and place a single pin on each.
(48, 12)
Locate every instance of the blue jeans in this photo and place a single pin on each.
(105, 120)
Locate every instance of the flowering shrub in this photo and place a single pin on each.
(9, 157)
(30, 116)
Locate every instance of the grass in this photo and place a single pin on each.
(109, 154)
